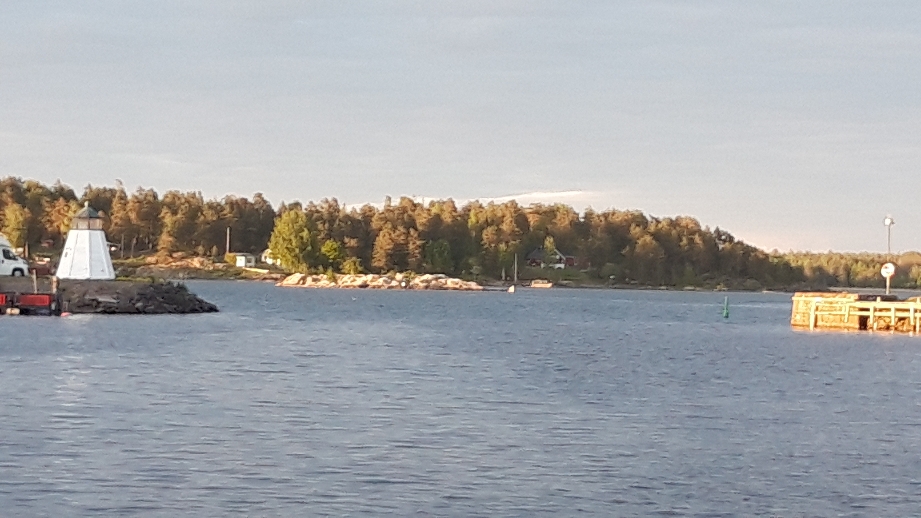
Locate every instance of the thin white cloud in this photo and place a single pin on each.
(540, 197)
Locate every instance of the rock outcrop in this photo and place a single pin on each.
(381, 282)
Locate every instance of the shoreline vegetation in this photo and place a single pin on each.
(181, 235)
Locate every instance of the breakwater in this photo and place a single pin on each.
(116, 297)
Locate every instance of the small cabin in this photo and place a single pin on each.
(245, 260)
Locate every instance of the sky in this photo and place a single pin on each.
(793, 125)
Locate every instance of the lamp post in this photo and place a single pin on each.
(888, 269)
(888, 222)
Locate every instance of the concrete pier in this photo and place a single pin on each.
(855, 312)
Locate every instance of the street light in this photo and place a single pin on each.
(888, 269)
(888, 222)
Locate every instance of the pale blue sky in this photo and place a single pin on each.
(794, 125)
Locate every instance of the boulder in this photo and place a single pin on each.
(294, 279)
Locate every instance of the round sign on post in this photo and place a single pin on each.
(888, 270)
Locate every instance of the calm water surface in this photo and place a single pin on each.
(311, 402)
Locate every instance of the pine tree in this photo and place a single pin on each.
(438, 257)
(382, 255)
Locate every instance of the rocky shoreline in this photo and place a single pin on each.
(117, 297)
(397, 281)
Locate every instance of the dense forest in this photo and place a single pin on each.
(476, 239)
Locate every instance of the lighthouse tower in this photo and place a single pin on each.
(86, 254)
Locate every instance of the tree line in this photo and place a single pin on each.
(36, 216)
(862, 270)
(616, 246)
(476, 238)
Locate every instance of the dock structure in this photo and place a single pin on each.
(855, 312)
(29, 304)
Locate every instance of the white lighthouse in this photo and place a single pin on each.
(86, 254)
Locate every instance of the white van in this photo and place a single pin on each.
(10, 263)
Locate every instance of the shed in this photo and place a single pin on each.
(245, 260)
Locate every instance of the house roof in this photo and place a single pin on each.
(538, 254)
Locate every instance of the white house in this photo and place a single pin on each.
(246, 260)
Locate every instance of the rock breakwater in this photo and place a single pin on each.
(123, 297)
(116, 297)
(381, 282)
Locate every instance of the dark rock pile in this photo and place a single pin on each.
(118, 297)
(124, 297)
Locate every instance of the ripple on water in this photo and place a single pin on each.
(369, 403)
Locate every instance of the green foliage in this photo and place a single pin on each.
(14, 224)
(438, 257)
(612, 272)
(331, 254)
(855, 270)
(689, 277)
(385, 253)
(647, 261)
(292, 241)
(549, 250)
(477, 238)
(351, 266)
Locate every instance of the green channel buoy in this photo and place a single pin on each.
(726, 307)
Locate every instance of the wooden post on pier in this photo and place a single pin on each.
(812, 315)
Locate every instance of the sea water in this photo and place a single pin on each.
(295, 402)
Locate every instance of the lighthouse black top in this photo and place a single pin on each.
(87, 219)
